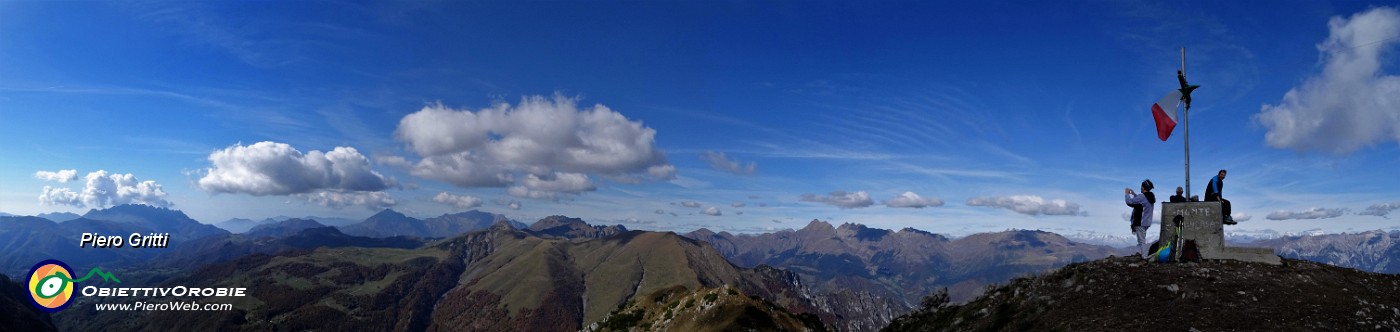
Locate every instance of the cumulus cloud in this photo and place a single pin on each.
(1313, 213)
(535, 186)
(911, 200)
(1380, 210)
(690, 204)
(1241, 217)
(842, 199)
(720, 162)
(271, 168)
(59, 196)
(1030, 205)
(513, 205)
(372, 200)
(103, 190)
(539, 135)
(462, 202)
(1351, 103)
(62, 176)
(713, 211)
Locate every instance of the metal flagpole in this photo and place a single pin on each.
(1186, 122)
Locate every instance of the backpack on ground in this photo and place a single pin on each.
(1164, 254)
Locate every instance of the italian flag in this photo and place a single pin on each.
(1164, 112)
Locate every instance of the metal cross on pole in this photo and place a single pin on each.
(1186, 116)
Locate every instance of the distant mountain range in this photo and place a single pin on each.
(890, 271)
(28, 240)
(270, 239)
(59, 216)
(389, 223)
(1374, 251)
(506, 278)
(561, 273)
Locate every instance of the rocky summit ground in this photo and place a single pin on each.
(1128, 294)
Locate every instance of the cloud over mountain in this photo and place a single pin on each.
(461, 202)
(1313, 213)
(1029, 205)
(489, 147)
(271, 168)
(713, 211)
(1380, 210)
(1351, 103)
(911, 200)
(842, 199)
(62, 176)
(719, 161)
(103, 190)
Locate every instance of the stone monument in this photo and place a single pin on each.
(1201, 221)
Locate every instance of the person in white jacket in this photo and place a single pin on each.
(1142, 213)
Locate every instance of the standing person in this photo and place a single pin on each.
(1213, 193)
(1178, 198)
(1142, 213)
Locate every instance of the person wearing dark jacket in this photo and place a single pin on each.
(1213, 194)
(1142, 213)
(1178, 198)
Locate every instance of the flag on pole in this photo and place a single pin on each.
(1164, 112)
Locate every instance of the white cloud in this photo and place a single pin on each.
(1351, 103)
(1030, 205)
(372, 200)
(59, 196)
(720, 162)
(514, 205)
(690, 204)
(662, 172)
(1313, 213)
(271, 168)
(461, 202)
(713, 211)
(1241, 216)
(462, 169)
(1380, 210)
(738, 204)
(534, 186)
(572, 183)
(62, 176)
(395, 161)
(522, 192)
(104, 190)
(911, 200)
(485, 148)
(842, 199)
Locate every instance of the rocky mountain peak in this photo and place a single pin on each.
(1130, 294)
(818, 226)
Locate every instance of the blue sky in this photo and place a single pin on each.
(740, 116)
